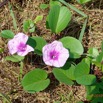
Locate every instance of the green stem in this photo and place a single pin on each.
(21, 71)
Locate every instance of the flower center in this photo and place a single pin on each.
(22, 47)
(54, 55)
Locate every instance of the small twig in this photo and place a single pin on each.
(5, 98)
(3, 3)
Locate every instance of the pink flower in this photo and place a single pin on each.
(54, 54)
(18, 45)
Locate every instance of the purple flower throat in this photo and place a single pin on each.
(54, 55)
(22, 47)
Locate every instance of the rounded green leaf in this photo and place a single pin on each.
(81, 69)
(38, 18)
(14, 58)
(83, 1)
(7, 34)
(86, 79)
(62, 76)
(43, 6)
(40, 43)
(69, 70)
(52, 3)
(98, 99)
(59, 17)
(98, 61)
(100, 57)
(87, 61)
(28, 26)
(47, 23)
(1, 50)
(35, 81)
(31, 42)
(93, 52)
(73, 45)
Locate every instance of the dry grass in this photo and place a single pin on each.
(9, 72)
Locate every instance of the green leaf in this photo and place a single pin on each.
(96, 88)
(14, 58)
(74, 55)
(102, 46)
(99, 59)
(81, 69)
(7, 34)
(31, 42)
(75, 47)
(44, 6)
(97, 100)
(89, 97)
(92, 89)
(93, 52)
(95, 91)
(86, 79)
(69, 70)
(35, 81)
(38, 18)
(83, 1)
(40, 43)
(28, 26)
(59, 17)
(1, 50)
(87, 61)
(52, 3)
(62, 76)
(47, 23)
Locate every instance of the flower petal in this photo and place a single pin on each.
(63, 57)
(29, 48)
(21, 37)
(58, 48)
(46, 57)
(12, 46)
(48, 62)
(56, 63)
(23, 53)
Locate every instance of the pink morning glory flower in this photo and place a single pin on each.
(18, 45)
(54, 54)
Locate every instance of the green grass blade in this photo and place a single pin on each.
(13, 17)
(83, 30)
(73, 8)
